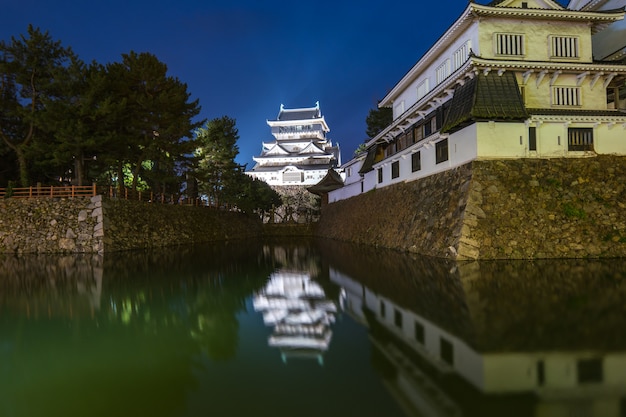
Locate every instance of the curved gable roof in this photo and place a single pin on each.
(276, 150)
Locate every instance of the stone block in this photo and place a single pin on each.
(97, 212)
(82, 216)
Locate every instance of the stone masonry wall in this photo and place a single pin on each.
(135, 224)
(45, 225)
(511, 209)
(97, 225)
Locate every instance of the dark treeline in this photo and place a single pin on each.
(122, 124)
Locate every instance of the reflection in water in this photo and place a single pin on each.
(301, 315)
(494, 338)
(192, 331)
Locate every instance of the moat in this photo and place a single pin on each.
(309, 328)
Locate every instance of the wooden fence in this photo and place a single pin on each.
(49, 191)
(69, 191)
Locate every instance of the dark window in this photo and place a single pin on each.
(589, 370)
(397, 318)
(380, 175)
(418, 133)
(541, 373)
(439, 117)
(428, 127)
(580, 139)
(532, 138)
(416, 161)
(441, 151)
(446, 351)
(419, 332)
(395, 169)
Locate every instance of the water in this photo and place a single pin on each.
(309, 328)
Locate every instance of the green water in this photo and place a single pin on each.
(309, 328)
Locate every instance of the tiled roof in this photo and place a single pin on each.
(368, 164)
(277, 167)
(574, 112)
(304, 114)
(331, 181)
(485, 97)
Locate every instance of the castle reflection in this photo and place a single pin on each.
(299, 312)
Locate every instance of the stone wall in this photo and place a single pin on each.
(512, 209)
(97, 225)
(47, 225)
(136, 224)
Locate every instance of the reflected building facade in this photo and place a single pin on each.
(515, 353)
(299, 313)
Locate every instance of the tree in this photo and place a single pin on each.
(73, 124)
(216, 152)
(377, 120)
(154, 122)
(251, 195)
(29, 68)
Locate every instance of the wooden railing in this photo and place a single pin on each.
(49, 191)
(69, 191)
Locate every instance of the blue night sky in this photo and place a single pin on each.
(243, 58)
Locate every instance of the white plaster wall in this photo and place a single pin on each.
(610, 139)
(509, 372)
(591, 97)
(463, 145)
(551, 140)
(537, 32)
(409, 95)
(501, 140)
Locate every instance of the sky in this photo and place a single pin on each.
(244, 58)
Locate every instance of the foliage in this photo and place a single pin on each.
(124, 123)
(360, 149)
(150, 117)
(571, 211)
(377, 120)
(217, 148)
(256, 196)
(29, 69)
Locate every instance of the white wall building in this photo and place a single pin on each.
(510, 79)
(300, 154)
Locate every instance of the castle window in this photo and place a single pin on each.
(566, 96)
(509, 44)
(532, 138)
(418, 329)
(441, 151)
(541, 373)
(564, 47)
(395, 169)
(589, 370)
(397, 318)
(423, 89)
(580, 139)
(446, 351)
(416, 161)
(291, 176)
(380, 175)
(460, 56)
(418, 133)
(443, 71)
(398, 109)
